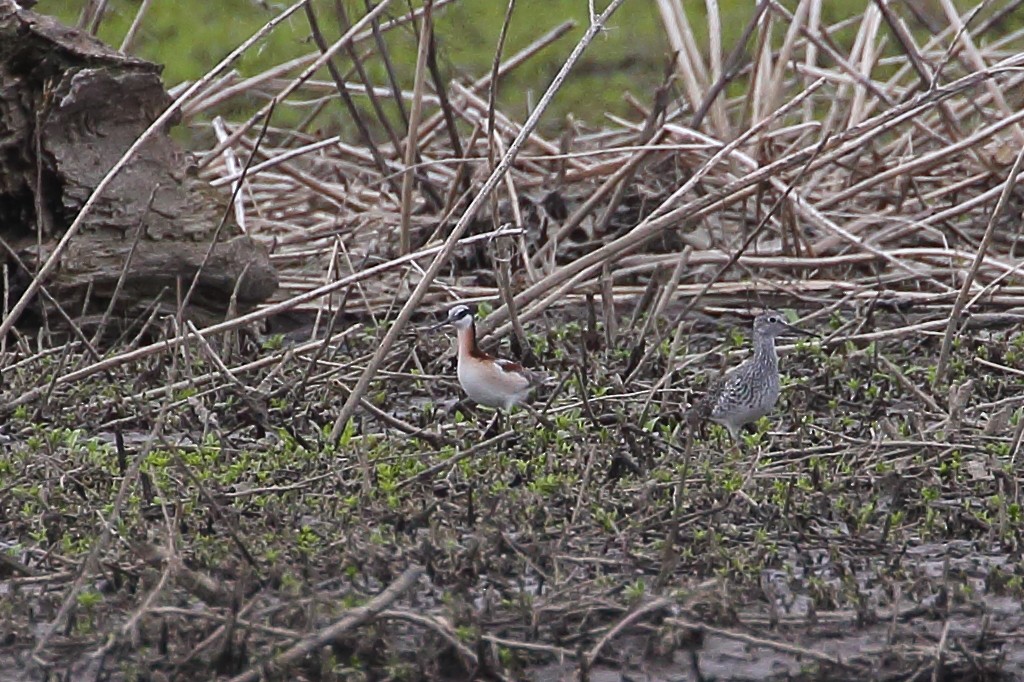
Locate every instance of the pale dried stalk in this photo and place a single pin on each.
(785, 55)
(414, 121)
(840, 145)
(978, 62)
(718, 116)
(478, 113)
(757, 94)
(235, 169)
(430, 125)
(921, 163)
(352, 619)
(354, 32)
(965, 289)
(811, 53)
(680, 37)
(279, 71)
(129, 38)
(868, 56)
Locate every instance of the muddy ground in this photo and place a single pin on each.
(164, 521)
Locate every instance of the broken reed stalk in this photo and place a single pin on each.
(352, 619)
(972, 274)
(350, 105)
(426, 29)
(349, 36)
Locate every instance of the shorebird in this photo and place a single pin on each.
(486, 379)
(750, 391)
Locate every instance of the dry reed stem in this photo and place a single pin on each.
(343, 42)
(426, 29)
(353, 619)
(129, 36)
(691, 66)
(961, 299)
(513, 62)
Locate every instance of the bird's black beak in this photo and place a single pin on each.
(797, 331)
(437, 326)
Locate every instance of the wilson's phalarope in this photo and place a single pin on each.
(488, 380)
(750, 391)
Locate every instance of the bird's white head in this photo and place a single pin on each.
(460, 317)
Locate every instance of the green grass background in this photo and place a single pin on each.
(190, 36)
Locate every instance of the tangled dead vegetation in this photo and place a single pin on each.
(310, 498)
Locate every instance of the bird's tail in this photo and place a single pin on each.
(541, 378)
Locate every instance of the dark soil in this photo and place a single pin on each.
(867, 533)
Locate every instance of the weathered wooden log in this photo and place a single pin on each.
(69, 108)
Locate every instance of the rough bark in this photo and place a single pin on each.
(69, 108)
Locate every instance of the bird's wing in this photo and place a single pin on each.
(705, 405)
(533, 378)
(509, 366)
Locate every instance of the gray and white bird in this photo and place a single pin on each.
(749, 391)
(486, 379)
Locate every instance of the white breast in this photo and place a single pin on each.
(488, 384)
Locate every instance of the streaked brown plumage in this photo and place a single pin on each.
(751, 390)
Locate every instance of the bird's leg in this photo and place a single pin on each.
(741, 491)
(547, 423)
(449, 479)
(494, 426)
(736, 435)
(470, 515)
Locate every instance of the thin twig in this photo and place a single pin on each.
(353, 619)
(965, 288)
